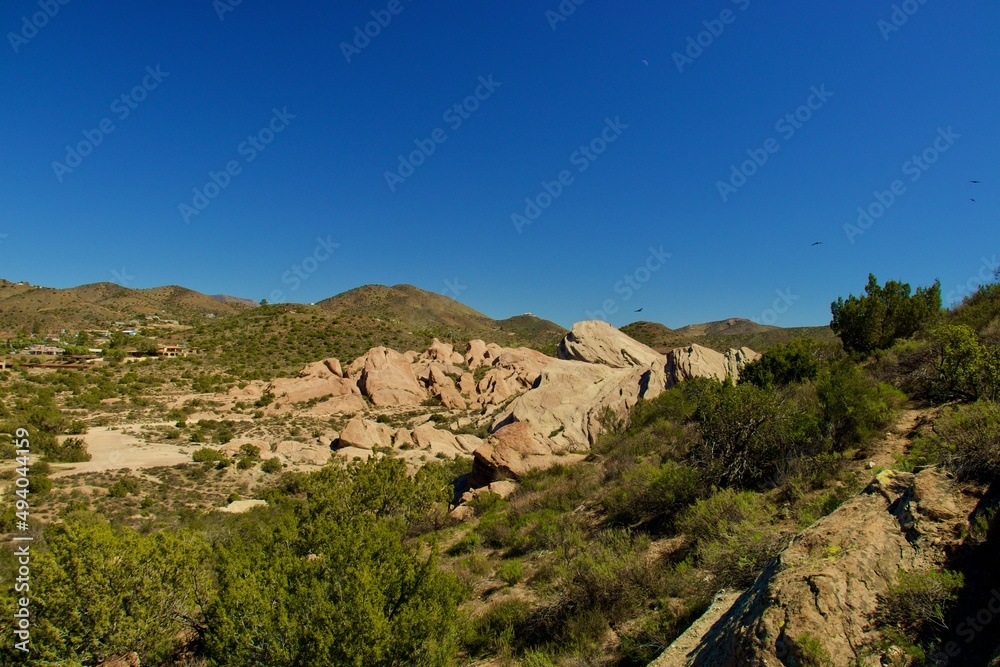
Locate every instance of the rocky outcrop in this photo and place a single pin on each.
(297, 452)
(363, 434)
(597, 342)
(512, 451)
(572, 397)
(696, 361)
(824, 587)
(388, 379)
(320, 380)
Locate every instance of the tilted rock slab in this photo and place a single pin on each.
(684, 363)
(597, 342)
(824, 587)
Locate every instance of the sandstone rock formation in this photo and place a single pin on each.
(364, 434)
(571, 397)
(824, 587)
(697, 361)
(388, 379)
(597, 342)
(511, 451)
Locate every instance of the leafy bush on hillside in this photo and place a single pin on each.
(917, 605)
(783, 365)
(884, 315)
(971, 435)
(855, 408)
(105, 591)
(734, 535)
(650, 491)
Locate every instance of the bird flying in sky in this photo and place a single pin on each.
(818, 243)
(976, 182)
(638, 310)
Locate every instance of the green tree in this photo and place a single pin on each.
(885, 314)
(782, 365)
(100, 591)
(328, 580)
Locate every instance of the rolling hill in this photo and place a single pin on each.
(723, 335)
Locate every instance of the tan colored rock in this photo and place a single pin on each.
(402, 439)
(597, 342)
(493, 389)
(462, 513)
(468, 443)
(476, 355)
(365, 434)
(571, 397)
(467, 384)
(512, 451)
(233, 447)
(439, 351)
(443, 387)
(242, 506)
(825, 585)
(388, 379)
(297, 452)
(436, 441)
(354, 453)
(503, 488)
(252, 391)
(698, 361)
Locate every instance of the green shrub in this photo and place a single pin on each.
(466, 545)
(855, 409)
(206, 455)
(71, 450)
(124, 487)
(919, 602)
(971, 434)
(272, 465)
(734, 535)
(885, 314)
(510, 571)
(649, 492)
(785, 364)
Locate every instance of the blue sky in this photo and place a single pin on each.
(317, 198)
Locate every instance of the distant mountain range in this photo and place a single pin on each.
(402, 316)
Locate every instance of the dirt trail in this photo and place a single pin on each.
(897, 441)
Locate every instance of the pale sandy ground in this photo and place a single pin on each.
(114, 450)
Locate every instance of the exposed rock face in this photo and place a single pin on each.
(567, 404)
(697, 361)
(597, 342)
(297, 452)
(363, 434)
(443, 387)
(512, 451)
(317, 380)
(388, 379)
(825, 585)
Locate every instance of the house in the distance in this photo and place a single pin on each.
(44, 351)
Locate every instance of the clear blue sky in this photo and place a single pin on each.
(323, 176)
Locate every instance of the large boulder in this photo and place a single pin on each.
(297, 452)
(825, 586)
(512, 451)
(597, 342)
(388, 379)
(696, 361)
(363, 434)
(572, 399)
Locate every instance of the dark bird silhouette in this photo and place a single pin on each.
(818, 243)
(976, 182)
(972, 200)
(639, 310)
